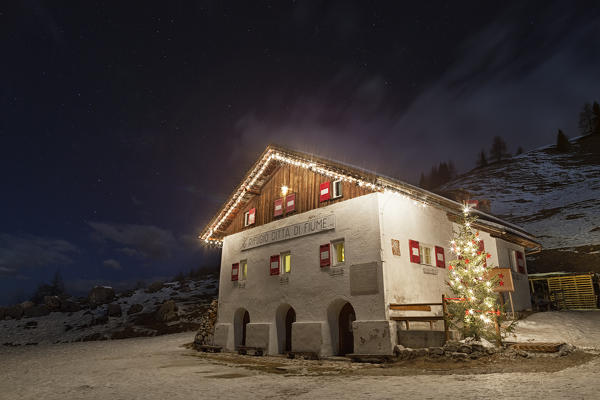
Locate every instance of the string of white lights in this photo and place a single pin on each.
(259, 170)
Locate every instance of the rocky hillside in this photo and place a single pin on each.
(553, 195)
(159, 309)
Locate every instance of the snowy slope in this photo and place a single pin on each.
(554, 196)
(192, 299)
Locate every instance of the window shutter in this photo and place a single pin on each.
(251, 216)
(324, 192)
(290, 203)
(278, 207)
(325, 255)
(440, 259)
(482, 250)
(235, 271)
(520, 262)
(274, 265)
(414, 251)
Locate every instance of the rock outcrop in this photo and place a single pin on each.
(135, 308)
(114, 310)
(167, 311)
(101, 295)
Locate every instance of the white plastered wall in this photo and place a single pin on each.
(405, 282)
(312, 291)
(522, 295)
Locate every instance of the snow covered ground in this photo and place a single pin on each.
(160, 368)
(580, 328)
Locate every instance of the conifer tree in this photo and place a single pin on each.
(474, 310)
(562, 142)
(519, 150)
(482, 159)
(498, 150)
(586, 120)
(596, 118)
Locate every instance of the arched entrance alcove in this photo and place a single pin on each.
(284, 318)
(240, 320)
(340, 315)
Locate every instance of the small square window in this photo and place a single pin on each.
(339, 252)
(250, 217)
(243, 270)
(337, 189)
(425, 253)
(286, 263)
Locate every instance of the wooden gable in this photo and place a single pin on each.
(301, 181)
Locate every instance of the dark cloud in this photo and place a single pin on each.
(112, 263)
(27, 251)
(147, 240)
(520, 77)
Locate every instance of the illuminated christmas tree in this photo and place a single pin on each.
(474, 309)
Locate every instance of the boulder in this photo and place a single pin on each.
(36, 311)
(465, 348)
(135, 308)
(436, 351)
(167, 311)
(114, 310)
(2, 313)
(52, 302)
(101, 295)
(451, 347)
(459, 356)
(27, 304)
(14, 312)
(69, 306)
(155, 287)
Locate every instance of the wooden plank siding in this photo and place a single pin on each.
(303, 182)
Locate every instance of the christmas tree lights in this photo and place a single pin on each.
(474, 310)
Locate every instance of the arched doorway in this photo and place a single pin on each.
(240, 320)
(346, 335)
(290, 318)
(285, 317)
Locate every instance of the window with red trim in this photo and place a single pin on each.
(274, 265)
(324, 192)
(325, 255)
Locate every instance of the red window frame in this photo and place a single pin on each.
(482, 250)
(415, 255)
(325, 255)
(235, 271)
(274, 265)
(520, 262)
(278, 207)
(290, 198)
(440, 257)
(324, 191)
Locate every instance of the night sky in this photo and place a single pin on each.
(125, 125)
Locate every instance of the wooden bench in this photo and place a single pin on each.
(206, 348)
(308, 355)
(256, 351)
(426, 307)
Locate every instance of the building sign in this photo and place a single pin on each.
(314, 225)
(505, 281)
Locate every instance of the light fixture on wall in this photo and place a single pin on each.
(284, 190)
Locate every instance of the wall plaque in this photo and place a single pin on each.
(395, 247)
(363, 279)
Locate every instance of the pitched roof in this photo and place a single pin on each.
(274, 156)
